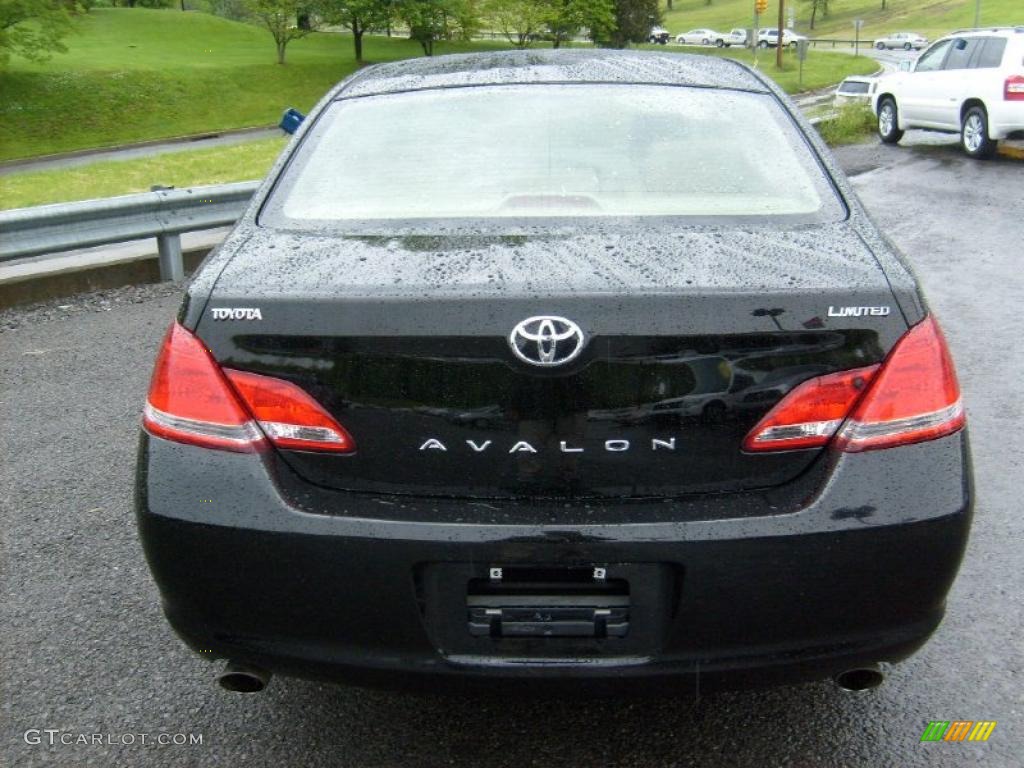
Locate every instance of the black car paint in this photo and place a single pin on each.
(827, 561)
(853, 568)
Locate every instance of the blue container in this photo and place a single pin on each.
(291, 120)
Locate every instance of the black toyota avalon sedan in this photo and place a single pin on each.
(577, 367)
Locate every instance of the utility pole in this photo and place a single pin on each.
(760, 6)
(977, 13)
(781, 42)
(753, 35)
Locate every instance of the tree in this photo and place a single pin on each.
(32, 29)
(818, 5)
(517, 20)
(633, 22)
(280, 17)
(357, 16)
(565, 18)
(432, 20)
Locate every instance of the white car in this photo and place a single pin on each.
(702, 37)
(905, 40)
(736, 37)
(856, 89)
(768, 37)
(971, 83)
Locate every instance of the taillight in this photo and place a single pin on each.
(913, 396)
(290, 417)
(809, 416)
(192, 401)
(1013, 88)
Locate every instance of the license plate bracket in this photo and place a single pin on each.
(548, 602)
(547, 611)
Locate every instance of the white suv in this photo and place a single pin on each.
(971, 82)
(768, 37)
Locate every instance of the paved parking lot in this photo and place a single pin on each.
(85, 650)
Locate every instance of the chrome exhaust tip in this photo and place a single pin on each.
(860, 679)
(241, 678)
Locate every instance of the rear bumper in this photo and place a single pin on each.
(1005, 119)
(858, 574)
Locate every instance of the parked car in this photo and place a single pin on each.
(905, 40)
(658, 35)
(367, 452)
(702, 37)
(737, 37)
(856, 89)
(971, 83)
(768, 37)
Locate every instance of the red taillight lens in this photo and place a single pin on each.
(191, 401)
(809, 416)
(1013, 88)
(290, 417)
(915, 397)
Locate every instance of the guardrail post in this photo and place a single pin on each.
(171, 265)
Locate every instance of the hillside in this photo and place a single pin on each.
(929, 17)
(135, 74)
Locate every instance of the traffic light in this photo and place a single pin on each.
(761, 6)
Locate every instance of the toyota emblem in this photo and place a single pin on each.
(546, 340)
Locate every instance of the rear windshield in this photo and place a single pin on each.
(564, 152)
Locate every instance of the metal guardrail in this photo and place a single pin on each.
(163, 213)
(864, 42)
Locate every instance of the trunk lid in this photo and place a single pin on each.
(689, 340)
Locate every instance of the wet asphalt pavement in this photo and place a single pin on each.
(86, 651)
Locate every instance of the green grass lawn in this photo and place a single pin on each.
(929, 17)
(821, 68)
(107, 178)
(137, 74)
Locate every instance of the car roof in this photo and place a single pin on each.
(987, 32)
(551, 66)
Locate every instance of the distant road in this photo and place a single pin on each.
(890, 60)
(144, 149)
